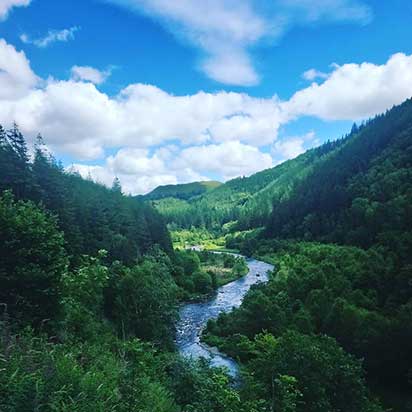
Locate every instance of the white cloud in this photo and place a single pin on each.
(228, 159)
(52, 36)
(226, 30)
(313, 74)
(16, 77)
(89, 74)
(79, 119)
(231, 67)
(356, 91)
(7, 5)
(217, 133)
(138, 171)
(291, 147)
(328, 10)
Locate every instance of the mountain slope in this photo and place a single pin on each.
(244, 200)
(183, 191)
(341, 244)
(362, 190)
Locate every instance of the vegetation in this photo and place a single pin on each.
(196, 237)
(357, 293)
(198, 274)
(242, 203)
(91, 216)
(83, 328)
(183, 191)
(223, 267)
(90, 283)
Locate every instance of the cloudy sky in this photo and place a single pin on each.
(170, 91)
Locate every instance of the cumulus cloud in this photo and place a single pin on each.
(52, 36)
(356, 91)
(313, 74)
(78, 118)
(89, 74)
(220, 133)
(139, 171)
(291, 147)
(228, 159)
(7, 5)
(16, 77)
(226, 30)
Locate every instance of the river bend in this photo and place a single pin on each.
(194, 316)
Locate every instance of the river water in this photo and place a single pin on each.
(194, 316)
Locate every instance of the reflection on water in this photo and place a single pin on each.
(194, 316)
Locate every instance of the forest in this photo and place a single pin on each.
(90, 288)
(91, 283)
(341, 243)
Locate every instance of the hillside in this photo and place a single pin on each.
(362, 190)
(183, 191)
(246, 201)
(336, 178)
(341, 242)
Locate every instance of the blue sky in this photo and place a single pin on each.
(161, 91)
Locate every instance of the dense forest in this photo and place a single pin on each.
(90, 288)
(91, 216)
(184, 191)
(91, 285)
(242, 203)
(341, 243)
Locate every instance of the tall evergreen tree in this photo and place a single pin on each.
(116, 186)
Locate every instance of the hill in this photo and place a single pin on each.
(244, 201)
(360, 193)
(341, 242)
(182, 191)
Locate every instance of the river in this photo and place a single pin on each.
(194, 316)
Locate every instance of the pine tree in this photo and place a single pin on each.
(18, 143)
(15, 167)
(116, 186)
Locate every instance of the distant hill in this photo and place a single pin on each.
(244, 200)
(182, 191)
(312, 195)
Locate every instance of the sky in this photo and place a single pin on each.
(171, 91)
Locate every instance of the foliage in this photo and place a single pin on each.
(359, 297)
(145, 301)
(32, 262)
(361, 194)
(307, 373)
(116, 376)
(91, 216)
(242, 203)
(195, 237)
(182, 191)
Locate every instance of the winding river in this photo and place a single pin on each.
(194, 316)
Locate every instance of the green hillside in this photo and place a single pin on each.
(360, 192)
(244, 200)
(341, 242)
(183, 191)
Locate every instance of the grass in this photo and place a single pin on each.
(223, 275)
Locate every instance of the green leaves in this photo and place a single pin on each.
(32, 262)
